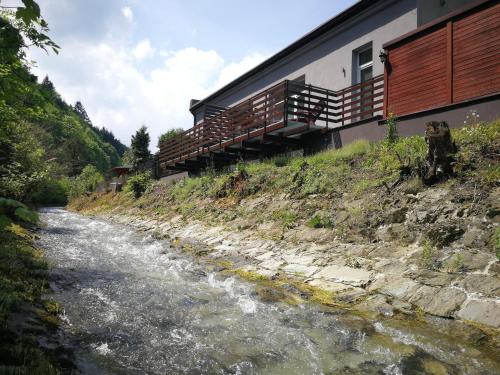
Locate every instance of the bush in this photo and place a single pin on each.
(139, 183)
(320, 221)
(87, 181)
(10, 209)
(52, 192)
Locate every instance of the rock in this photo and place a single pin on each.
(488, 286)
(485, 312)
(398, 287)
(438, 301)
(377, 304)
(397, 215)
(475, 238)
(329, 286)
(271, 264)
(433, 278)
(395, 232)
(346, 275)
(351, 295)
(300, 270)
(442, 235)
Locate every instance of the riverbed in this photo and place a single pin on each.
(137, 305)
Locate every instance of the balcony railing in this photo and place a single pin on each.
(287, 109)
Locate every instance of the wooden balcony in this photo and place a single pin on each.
(270, 122)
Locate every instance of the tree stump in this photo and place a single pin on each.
(440, 152)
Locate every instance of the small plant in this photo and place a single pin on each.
(320, 221)
(457, 265)
(138, 184)
(428, 258)
(287, 218)
(392, 130)
(281, 161)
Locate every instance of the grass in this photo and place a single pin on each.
(23, 279)
(361, 170)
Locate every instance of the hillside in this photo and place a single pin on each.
(43, 139)
(356, 223)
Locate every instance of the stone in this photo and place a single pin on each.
(433, 278)
(442, 235)
(397, 215)
(346, 275)
(329, 286)
(271, 264)
(351, 295)
(300, 269)
(481, 311)
(486, 285)
(377, 304)
(397, 286)
(438, 301)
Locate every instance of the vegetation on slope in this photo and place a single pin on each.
(43, 140)
(343, 190)
(23, 280)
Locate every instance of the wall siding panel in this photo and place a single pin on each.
(476, 55)
(449, 62)
(417, 81)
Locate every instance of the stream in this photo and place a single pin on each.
(136, 305)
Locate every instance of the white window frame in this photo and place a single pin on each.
(360, 67)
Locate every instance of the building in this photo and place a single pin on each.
(423, 60)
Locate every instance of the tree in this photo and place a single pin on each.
(25, 24)
(80, 110)
(140, 146)
(172, 133)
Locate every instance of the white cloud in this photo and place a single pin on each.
(127, 13)
(143, 50)
(120, 95)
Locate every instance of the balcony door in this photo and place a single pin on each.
(364, 68)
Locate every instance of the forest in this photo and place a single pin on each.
(44, 141)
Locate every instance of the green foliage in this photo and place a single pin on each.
(428, 257)
(172, 133)
(392, 130)
(42, 139)
(52, 192)
(139, 183)
(87, 181)
(140, 146)
(287, 218)
(496, 242)
(15, 210)
(320, 221)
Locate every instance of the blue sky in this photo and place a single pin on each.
(132, 62)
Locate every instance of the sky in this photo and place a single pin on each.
(134, 62)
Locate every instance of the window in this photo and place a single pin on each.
(365, 64)
(296, 100)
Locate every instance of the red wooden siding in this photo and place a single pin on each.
(476, 54)
(417, 67)
(452, 61)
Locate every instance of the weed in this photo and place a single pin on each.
(320, 221)
(392, 130)
(428, 258)
(287, 218)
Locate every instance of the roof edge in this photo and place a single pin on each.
(315, 33)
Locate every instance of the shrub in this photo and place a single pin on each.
(87, 181)
(139, 183)
(52, 192)
(287, 218)
(15, 210)
(392, 130)
(320, 221)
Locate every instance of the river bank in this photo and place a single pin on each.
(135, 304)
(339, 223)
(30, 340)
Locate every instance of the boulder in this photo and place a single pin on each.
(485, 312)
(346, 275)
(438, 301)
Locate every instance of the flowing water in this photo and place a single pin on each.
(134, 305)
